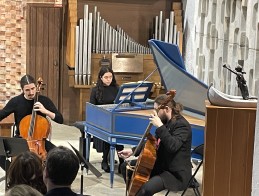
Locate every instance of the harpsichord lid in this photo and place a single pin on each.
(191, 92)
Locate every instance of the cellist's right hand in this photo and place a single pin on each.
(125, 153)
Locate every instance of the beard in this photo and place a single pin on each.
(30, 96)
(164, 119)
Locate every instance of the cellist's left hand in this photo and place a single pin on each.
(155, 120)
(38, 107)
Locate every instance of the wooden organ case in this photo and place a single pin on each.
(133, 25)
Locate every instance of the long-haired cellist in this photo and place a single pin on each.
(23, 104)
(172, 169)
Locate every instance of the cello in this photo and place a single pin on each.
(145, 163)
(36, 128)
(147, 157)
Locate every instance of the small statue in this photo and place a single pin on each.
(240, 80)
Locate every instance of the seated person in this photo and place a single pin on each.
(172, 169)
(23, 105)
(22, 190)
(61, 170)
(26, 168)
(105, 92)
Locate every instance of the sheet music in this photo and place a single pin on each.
(139, 89)
(143, 82)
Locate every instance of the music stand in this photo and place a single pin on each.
(10, 147)
(85, 164)
(133, 92)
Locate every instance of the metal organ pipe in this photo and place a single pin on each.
(80, 55)
(85, 44)
(76, 56)
(95, 35)
(89, 51)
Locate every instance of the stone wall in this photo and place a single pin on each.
(12, 48)
(221, 32)
(13, 45)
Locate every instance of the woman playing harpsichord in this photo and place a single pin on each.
(105, 92)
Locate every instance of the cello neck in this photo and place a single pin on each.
(33, 117)
(34, 114)
(141, 142)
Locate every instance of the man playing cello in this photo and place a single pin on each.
(23, 105)
(172, 169)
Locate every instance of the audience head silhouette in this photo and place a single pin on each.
(26, 168)
(61, 168)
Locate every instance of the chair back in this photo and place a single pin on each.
(197, 152)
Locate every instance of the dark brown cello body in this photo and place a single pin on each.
(144, 166)
(35, 129)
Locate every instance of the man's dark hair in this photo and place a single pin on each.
(62, 166)
(99, 84)
(176, 107)
(27, 79)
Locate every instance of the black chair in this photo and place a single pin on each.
(82, 140)
(193, 183)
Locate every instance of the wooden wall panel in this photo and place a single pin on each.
(249, 151)
(209, 158)
(83, 96)
(148, 67)
(43, 55)
(71, 22)
(223, 147)
(6, 126)
(228, 156)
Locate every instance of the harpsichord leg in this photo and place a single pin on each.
(112, 157)
(87, 146)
